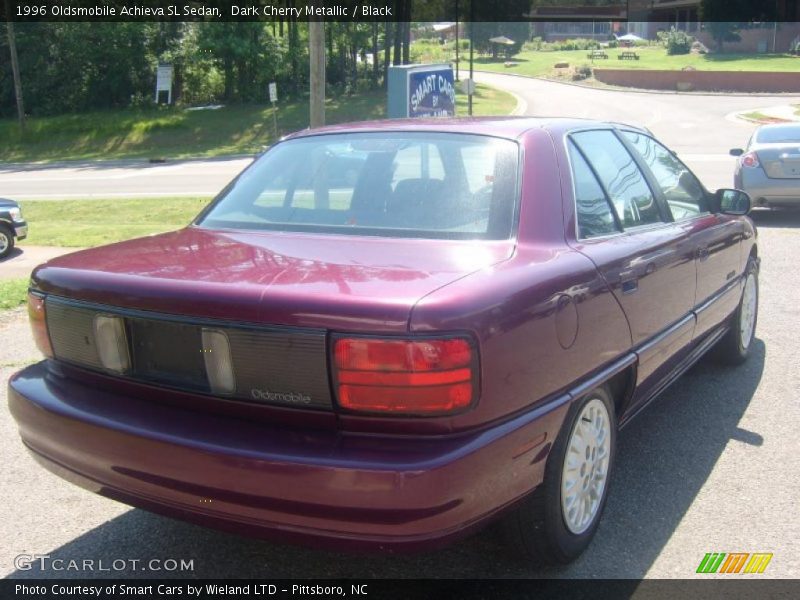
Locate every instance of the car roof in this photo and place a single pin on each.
(509, 127)
(786, 125)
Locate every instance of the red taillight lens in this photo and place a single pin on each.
(421, 376)
(38, 320)
(750, 160)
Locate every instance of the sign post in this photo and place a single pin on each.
(164, 81)
(273, 97)
(421, 91)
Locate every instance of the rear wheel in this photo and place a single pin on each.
(558, 521)
(734, 348)
(6, 241)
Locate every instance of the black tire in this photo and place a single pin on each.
(733, 349)
(536, 530)
(6, 241)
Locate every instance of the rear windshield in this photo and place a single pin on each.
(432, 185)
(777, 135)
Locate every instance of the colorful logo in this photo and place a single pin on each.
(734, 562)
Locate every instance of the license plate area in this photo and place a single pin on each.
(168, 353)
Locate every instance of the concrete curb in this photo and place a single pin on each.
(640, 91)
(740, 116)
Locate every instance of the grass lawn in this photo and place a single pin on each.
(177, 133)
(13, 292)
(75, 223)
(540, 63)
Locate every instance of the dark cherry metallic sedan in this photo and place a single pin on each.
(387, 334)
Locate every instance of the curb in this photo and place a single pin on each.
(122, 162)
(625, 90)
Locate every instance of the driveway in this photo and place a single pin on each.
(712, 466)
(24, 258)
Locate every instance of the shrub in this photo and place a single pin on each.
(676, 41)
(581, 73)
(535, 44)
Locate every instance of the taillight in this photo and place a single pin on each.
(38, 319)
(750, 160)
(416, 377)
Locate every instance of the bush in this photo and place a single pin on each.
(535, 44)
(581, 73)
(676, 41)
(576, 44)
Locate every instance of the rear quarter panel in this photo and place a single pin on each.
(544, 319)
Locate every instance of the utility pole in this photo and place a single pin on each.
(316, 42)
(471, 50)
(12, 46)
(456, 40)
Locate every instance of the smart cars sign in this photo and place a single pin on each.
(421, 91)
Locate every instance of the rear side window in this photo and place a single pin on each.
(683, 192)
(432, 185)
(594, 213)
(620, 176)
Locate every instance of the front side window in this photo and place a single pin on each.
(683, 192)
(594, 213)
(620, 176)
(433, 185)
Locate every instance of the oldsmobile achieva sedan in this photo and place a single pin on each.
(385, 335)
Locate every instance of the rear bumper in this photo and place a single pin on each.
(764, 189)
(339, 490)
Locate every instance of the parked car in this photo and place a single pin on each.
(768, 169)
(12, 226)
(451, 335)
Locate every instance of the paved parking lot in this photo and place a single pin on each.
(713, 466)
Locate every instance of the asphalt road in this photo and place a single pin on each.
(118, 178)
(713, 466)
(699, 127)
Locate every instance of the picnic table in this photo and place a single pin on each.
(628, 55)
(597, 54)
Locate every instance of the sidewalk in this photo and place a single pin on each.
(24, 259)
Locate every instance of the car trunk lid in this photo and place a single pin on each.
(780, 161)
(274, 296)
(321, 281)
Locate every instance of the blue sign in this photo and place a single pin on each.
(431, 93)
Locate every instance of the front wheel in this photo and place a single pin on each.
(558, 521)
(734, 347)
(6, 241)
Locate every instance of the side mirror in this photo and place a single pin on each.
(733, 202)
(736, 152)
